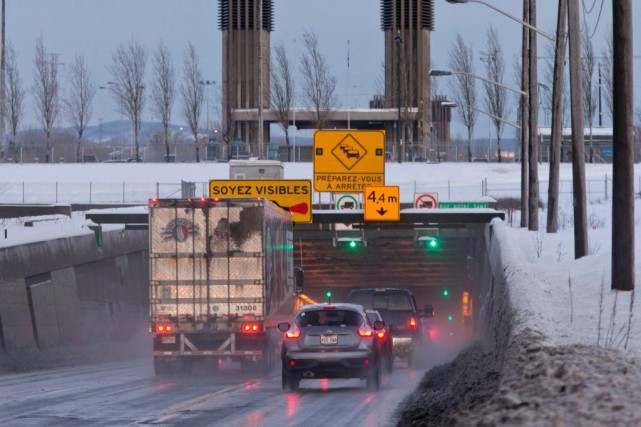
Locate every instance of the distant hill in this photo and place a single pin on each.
(117, 129)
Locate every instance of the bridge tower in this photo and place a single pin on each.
(245, 68)
(407, 25)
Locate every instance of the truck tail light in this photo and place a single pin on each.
(293, 333)
(365, 331)
(164, 329)
(412, 323)
(380, 335)
(251, 328)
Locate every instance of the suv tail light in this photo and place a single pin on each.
(412, 323)
(293, 332)
(380, 335)
(365, 331)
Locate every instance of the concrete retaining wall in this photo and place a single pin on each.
(63, 299)
(496, 315)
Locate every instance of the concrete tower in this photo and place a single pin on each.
(245, 38)
(407, 25)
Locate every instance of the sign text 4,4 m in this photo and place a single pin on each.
(382, 203)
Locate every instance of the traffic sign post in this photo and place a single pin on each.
(426, 200)
(294, 195)
(348, 160)
(382, 203)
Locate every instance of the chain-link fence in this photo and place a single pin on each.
(127, 192)
(93, 192)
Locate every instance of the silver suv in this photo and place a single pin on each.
(330, 341)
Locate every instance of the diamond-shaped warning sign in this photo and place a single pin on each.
(347, 161)
(349, 152)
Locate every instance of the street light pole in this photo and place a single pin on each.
(439, 73)
(207, 83)
(502, 12)
(399, 41)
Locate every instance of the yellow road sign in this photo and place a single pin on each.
(348, 160)
(382, 203)
(294, 195)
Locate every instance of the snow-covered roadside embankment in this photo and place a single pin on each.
(518, 374)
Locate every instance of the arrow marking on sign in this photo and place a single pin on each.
(382, 211)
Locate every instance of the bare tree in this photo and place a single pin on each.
(45, 92)
(282, 90)
(319, 85)
(193, 93)
(14, 99)
(464, 87)
(588, 62)
(495, 95)
(379, 83)
(163, 90)
(79, 104)
(606, 72)
(128, 70)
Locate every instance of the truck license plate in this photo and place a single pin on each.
(329, 339)
(169, 340)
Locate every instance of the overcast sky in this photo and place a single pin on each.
(96, 27)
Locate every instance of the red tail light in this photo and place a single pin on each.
(365, 331)
(293, 333)
(412, 323)
(380, 335)
(164, 329)
(251, 328)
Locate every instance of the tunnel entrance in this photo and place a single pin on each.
(442, 263)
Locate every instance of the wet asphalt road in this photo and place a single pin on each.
(128, 393)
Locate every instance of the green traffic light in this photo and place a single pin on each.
(445, 292)
(450, 318)
(328, 294)
(352, 244)
(433, 243)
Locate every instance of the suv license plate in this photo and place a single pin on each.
(329, 339)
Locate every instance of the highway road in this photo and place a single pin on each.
(128, 393)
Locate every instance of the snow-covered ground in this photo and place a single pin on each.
(580, 341)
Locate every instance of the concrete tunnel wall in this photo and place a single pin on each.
(70, 299)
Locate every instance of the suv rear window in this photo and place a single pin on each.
(391, 301)
(329, 318)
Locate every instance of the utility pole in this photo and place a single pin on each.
(524, 115)
(399, 41)
(623, 149)
(578, 149)
(533, 144)
(3, 145)
(556, 139)
(261, 148)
